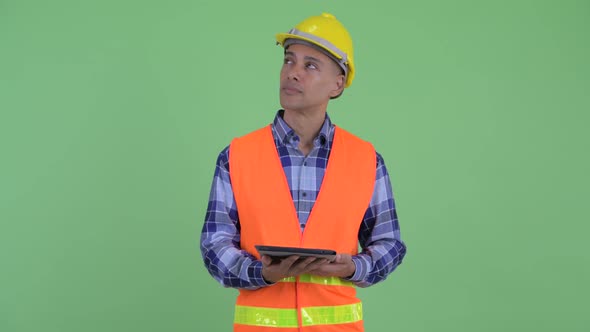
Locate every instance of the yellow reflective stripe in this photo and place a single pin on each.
(269, 317)
(341, 314)
(273, 317)
(327, 281)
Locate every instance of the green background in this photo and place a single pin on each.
(112, 114)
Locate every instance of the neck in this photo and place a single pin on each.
(306, 126)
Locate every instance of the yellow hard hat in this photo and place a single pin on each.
(329, 34)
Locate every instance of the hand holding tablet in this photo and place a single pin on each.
(279, 252)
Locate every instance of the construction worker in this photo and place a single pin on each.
(302, 182)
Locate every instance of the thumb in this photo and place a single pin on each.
(342, 258)
(266, 261)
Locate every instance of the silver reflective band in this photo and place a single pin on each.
(343, 56)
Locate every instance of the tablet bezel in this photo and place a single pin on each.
(279, 252)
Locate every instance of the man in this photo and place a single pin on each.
(302, 182)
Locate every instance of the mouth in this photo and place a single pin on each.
(290, 90)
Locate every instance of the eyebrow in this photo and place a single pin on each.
(307, 57)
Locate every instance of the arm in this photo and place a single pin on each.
(379, 235)
(220, 237)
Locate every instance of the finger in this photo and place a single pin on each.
(286, 263)
(299, 266)
(316, 264)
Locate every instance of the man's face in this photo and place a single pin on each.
(308, 79)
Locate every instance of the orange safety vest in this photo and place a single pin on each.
(268, 217)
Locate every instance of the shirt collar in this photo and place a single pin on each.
(285, 135)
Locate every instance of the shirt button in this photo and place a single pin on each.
(305, 163)
(304, 194)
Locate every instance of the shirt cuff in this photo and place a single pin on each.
(255, 275)
(361, 265)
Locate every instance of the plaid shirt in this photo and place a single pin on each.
(379, 235)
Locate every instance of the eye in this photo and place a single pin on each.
(287, 61)
(311, 65)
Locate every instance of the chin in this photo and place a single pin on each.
(289, 104)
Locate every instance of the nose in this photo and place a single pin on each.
(293, 73)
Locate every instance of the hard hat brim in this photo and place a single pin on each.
(281, 37)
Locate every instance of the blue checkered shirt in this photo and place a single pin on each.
(379, 235)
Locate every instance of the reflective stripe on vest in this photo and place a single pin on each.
(327, 281)
(283, 318)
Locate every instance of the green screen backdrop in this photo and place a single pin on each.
(112, 114)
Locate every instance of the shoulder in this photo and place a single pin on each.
(380, 160)
(223, 159)
(354, 140)
(380, 163)
(252, 137)
(246, 140)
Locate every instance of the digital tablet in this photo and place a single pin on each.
(277, 252)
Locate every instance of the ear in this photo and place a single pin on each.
(339, 86)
